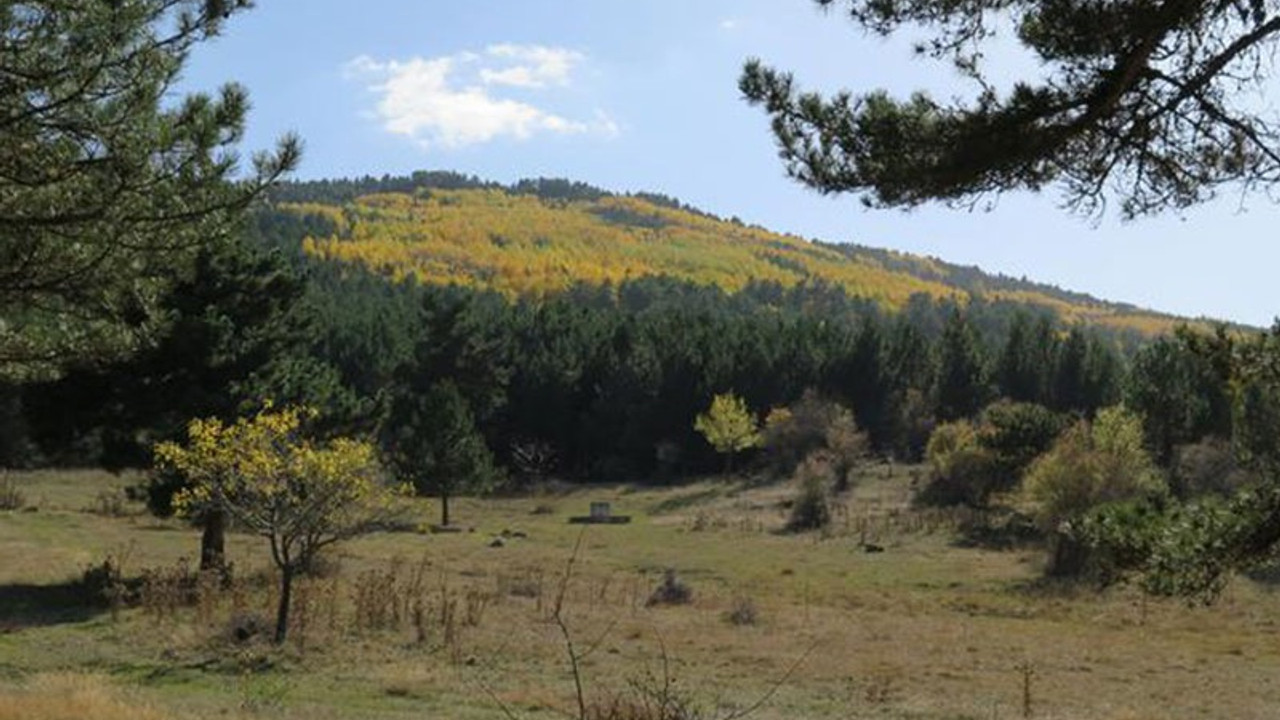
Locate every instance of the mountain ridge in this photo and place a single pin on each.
(540, 236)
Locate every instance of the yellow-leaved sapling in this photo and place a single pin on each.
(300, 494)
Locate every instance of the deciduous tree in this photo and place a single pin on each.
(300, 495)
(729, 426)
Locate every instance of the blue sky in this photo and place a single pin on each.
(643, 96)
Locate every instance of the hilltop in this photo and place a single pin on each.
(540, 237)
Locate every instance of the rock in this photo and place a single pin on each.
(498, 542)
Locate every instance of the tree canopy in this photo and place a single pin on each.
(300, 495)
(107, 185)
(728, 426)
(1146, 103)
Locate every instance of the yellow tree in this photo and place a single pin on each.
(274, 482)
(729, 426)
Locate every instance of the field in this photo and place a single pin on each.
(418, 625)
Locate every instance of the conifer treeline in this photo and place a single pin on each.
(600, 382)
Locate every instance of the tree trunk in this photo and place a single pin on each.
(286, 594)
(444, 509)
(213, 541)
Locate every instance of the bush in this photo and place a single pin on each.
(671, 591)
(910, 422)
(971, 463)
(109, 502)
(743, 612)
(811, 509)
(969, 481)
(1209, 467)
(1015, 434)
(793, 433)
(11, 497)
(961, 471)
(102, 585)
(1089, 466)
(244, 627)
(946, 442)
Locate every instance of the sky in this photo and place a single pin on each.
(632, 96)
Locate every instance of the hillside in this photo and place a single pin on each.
(540, 237)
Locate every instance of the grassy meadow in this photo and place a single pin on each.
(418, 625)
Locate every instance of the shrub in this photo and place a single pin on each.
(109, 502)
(244, 627)
(813, 423)
(971, 463)
(1015, 434)
(1208, 467)
(961, 471)
(11, 497)
(162, 485)
(811, 509)
(969, 481)
(1090, 465)
(946, 442)
(910, 422)
(162, 590)
(743, 612)
(846, 446)
(102, 584)
(671, 591)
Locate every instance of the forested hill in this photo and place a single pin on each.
(539, 237)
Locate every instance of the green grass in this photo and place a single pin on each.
(926, 629)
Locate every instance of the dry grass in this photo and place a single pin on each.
(11, 496)
(447, 626)
(74, 696)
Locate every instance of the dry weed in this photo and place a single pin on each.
(72, 696)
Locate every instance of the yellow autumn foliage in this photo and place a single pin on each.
(277, 483)
(524, 246)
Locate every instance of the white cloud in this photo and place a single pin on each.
(606, 125)
(456, 100)
(729, 24)
(532, 66)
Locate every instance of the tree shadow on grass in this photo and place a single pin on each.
(996, 529)
(25, 606)
(98, 588)
(1267, 575)
(684, 501)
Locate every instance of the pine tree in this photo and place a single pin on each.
(107, 187)
(431, 443)
(1153, 103)
(962, 387)
(1022, 370)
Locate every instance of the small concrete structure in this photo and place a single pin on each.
(601, 514)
